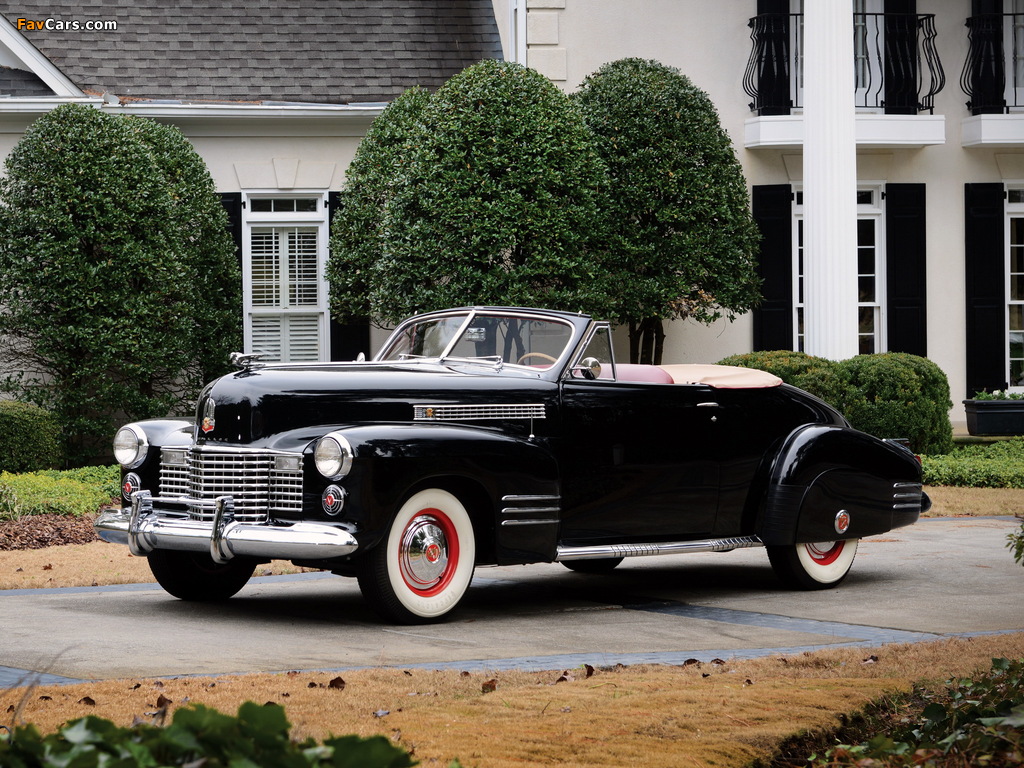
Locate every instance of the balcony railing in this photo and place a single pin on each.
(896, 66)
(993, 75)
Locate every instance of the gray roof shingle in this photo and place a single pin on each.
(339, 51)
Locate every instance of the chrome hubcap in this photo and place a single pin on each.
(424, 552)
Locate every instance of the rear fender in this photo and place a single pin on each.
(830, 482)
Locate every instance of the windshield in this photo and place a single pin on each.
(493, 337)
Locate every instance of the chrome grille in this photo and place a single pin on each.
(252, 478)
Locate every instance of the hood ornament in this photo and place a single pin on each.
(247, 362)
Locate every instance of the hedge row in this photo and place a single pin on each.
(74, 492)
(892, 395)
(991, 465)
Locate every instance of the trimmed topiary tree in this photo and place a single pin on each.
(357, 227)
(499, 202)
(681, 234)
(106, 297)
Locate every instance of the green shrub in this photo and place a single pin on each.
(198, 735)
(973, 721)
(52, 493)
(30, 438)
(822, 378)
(889, 395)
(904, 396)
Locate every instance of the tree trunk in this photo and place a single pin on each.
(646, 341)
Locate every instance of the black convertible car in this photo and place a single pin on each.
(498, 436)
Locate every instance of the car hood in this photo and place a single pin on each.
(255, 406)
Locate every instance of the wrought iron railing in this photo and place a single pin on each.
(993, 74)
(896, 66)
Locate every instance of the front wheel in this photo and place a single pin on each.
(817, 565)
(423, 569)
(195, 576)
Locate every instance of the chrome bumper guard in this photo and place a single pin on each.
(144, 529)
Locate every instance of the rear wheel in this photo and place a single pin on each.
(816, 565)
(195, 576)
(598, 566)
(423, 569)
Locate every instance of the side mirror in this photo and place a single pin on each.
(589, 368)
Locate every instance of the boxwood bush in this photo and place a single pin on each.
(987, 465)
(887, 395)
(30, 438)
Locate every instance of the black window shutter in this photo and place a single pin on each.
(232, 202)
(347, 340)
(985, 282)
(772, 206)
(772, 38)
(986, 67)
(900, 57)
(906, 268)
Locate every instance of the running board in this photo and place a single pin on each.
(601, 551)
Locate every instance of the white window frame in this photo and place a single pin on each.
(307, 219)
(1013, 210)
(874, 211)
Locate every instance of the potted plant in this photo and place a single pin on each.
(999, 412)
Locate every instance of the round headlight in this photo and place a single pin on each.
(130, 446)
(333, 456)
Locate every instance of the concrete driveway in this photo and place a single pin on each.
(938, 578)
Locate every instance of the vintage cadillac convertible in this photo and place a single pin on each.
(498, 436)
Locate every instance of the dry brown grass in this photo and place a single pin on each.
(99, 563)
(697, 715)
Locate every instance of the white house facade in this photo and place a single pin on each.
(276, 101)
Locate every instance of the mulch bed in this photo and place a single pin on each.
(39, 531)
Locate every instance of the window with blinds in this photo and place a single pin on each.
(284, 258)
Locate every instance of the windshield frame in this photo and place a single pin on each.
(447, 358)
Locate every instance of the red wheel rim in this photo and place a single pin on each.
(825, 553)
(428, 552)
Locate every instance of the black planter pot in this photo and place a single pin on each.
(995, 417)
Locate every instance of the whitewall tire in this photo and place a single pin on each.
(423, 569)
(816, 565)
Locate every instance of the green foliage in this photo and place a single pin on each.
(904, 396)
(1015, 542)
(998, 394)
(500, 202)
(73, 492)
(891, 395)
(111, 274)
(382, 157)
(30, 438)
(973, 721)
(494, 198)
(198, 735)
(992, 465)
(823, 378)
(681, 234)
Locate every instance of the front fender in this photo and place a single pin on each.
(509, 485)
(824, 476)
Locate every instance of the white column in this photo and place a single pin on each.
(830, 181)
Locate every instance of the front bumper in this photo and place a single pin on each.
(144, 528)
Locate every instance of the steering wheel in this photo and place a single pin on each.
(549, 358)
